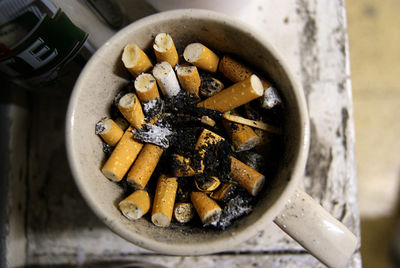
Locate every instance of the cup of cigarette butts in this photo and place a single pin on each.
(279, 201)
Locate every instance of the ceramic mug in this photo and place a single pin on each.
(282, 201)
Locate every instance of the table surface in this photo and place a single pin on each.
(47, 221)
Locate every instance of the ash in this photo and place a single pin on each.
(107, 149)
(233, 209)
(152, 108)
(100, 127)
(158, 135)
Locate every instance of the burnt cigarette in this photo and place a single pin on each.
(189, 78)
(247, 177)
(144, 166)
(207, 184)
(165, 50)
(164, 200)
(210, 86)
(166, 79)
(183, 212)
(109, 131)
(135, 205)
(123, 156)
(236, 71)
(130, 107)
(243, 137)
(253, 123)
(235, 95)
(146, 87)
(206, 139)
(271, 98)
(223, 192)
(135, 60)
(201, 57)
(208, 210)
(181, 166)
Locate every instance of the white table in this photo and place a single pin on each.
(47, 221)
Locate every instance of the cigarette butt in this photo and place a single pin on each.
(201, 57)
(208, 210)
(144, 166)
(129, 106)
(109, 131)
(183, 212)
(222, 193)
(166, 79)
(252, 123)
(210, 86)
(165, 50)
(207, 184)
(181, 166)
(207, 120)
(164, 200)
(135, 205)
(236, 71)
(206, 139)
(135, 60)
(122, 157)
(243, 137)
(265, 147)
(247, 177)
(235, 95)
(233, 69)
(122, 123)
(189, 78)
(146, 87)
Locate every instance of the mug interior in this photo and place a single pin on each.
(104, 75)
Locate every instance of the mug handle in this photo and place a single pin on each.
(326, 238)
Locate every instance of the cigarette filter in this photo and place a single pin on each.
(210, 86)
(206, 139)
(164, 200)
(189, 78)
(222, 193)
(144, 165)
(237, 71)
(183, 212)
(243, 137)
(129, 106)
(247, 177)
(233, 69)
(122, 157)
(166, 79)
(207, 184)
(146, 87)
(165, 50)
(182, 166)
(208, 121)
(109, 131)
(135, 205)
(235, 95)
(201, 57)
(135, 60)
(208, 210)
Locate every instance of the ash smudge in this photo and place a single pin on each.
(345, 119)
(308, 46)
(318, 164)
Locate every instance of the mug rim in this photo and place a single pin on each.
(220, 244)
